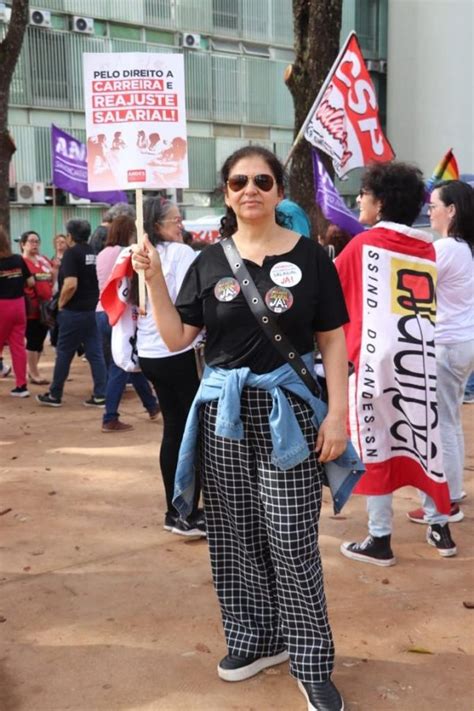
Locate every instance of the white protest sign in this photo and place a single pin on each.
(135, 121)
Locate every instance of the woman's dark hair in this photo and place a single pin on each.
(120, 231)
(461, 195)
(229, 221)
(24, 236)
(79, 230)
(155, 210)
(5, 246)
(335, 237)
(400, 189)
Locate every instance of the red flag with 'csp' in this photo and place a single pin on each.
(344, 120)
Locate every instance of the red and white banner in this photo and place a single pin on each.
(121, 313)
(114, 295)
(389, 288)
(344, 120)
(204, 229)
(135, 121)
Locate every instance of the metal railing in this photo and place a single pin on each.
(259, 20)
(219, 87)
(32, 159)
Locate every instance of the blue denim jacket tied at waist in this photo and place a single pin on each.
(289, 444)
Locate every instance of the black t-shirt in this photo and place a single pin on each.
(79, 261)
(301, 287)
(97, 240)
(13, 275)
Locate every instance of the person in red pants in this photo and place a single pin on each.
(14, 276)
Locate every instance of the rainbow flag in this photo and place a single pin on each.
(447, 169)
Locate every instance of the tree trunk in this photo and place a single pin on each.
(317, 26)
(10, 48)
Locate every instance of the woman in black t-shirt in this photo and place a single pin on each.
(262, 519)
(14, 276)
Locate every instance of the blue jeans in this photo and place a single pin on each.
(380, 511)
(76, 328)
(469, 389)
(117, 378)
(454, 364)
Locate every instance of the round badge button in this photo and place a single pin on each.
(285, 274)
(226, 289)
(279, 299)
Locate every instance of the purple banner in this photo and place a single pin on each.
(329, 200)
(69, 158)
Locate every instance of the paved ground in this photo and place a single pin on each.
(102, 610)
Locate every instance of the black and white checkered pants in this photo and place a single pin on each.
(262, 525)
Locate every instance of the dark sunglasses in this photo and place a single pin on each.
(262, 181)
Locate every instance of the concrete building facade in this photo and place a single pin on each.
(235, 54)
(430, 86)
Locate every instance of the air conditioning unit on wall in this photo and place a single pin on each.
(30, 193)
(84, 25)
(40, 18)
(5, 13)
(377, 65)
(75, 200)
(190, 40)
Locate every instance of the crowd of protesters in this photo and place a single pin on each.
(254, 437)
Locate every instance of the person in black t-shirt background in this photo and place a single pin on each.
(79, 293)
(99, 236)
(262, 518)
(14, 276)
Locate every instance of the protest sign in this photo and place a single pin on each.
(135, 121)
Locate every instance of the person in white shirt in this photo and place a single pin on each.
(452, 216)
(173, 375)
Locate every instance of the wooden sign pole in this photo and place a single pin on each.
(55, 212)
(140, 233)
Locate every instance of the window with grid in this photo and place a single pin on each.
(49, 68)
(225, 15)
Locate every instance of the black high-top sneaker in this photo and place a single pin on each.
(440, 537)
(373, 550)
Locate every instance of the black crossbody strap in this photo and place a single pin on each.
(265, 318)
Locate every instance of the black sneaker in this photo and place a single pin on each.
(20, 391)
(440, 537)
(187, 528)
(237, 668)
(322, 697)
(95, 402)
(48, 399)
(198, 521)
(170, 520)
(373, 550)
